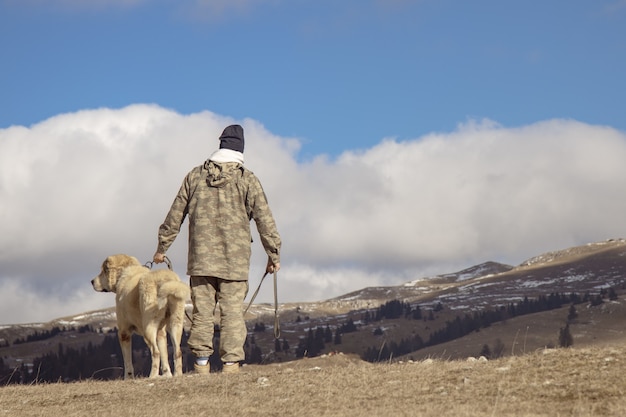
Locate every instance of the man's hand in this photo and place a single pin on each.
(271, 266)
(158, 258)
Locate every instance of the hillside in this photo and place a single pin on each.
(591, 269)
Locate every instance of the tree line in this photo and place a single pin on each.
(48, 334)
(467, 323)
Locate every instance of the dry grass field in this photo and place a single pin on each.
(556, 382)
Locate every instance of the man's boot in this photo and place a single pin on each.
(231, 368)
(202, 369)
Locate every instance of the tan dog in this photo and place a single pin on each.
(149, 303)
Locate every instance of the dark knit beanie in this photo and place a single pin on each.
(232, 138)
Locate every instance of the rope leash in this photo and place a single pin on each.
(276, 318)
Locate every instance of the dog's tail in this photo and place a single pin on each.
(173, 294)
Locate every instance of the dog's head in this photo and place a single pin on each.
(112, 268)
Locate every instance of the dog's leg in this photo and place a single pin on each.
(175, 328)
(125, 338)
(150, 337)
(162, 342)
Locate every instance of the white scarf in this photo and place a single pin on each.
(226, 155)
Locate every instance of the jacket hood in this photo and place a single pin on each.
(221, 174)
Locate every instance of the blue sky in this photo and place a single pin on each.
(337, 74)
(394, 139)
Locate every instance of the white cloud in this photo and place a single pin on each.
(455, 195)
(78, 187)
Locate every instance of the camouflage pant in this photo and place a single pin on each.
(206, 292)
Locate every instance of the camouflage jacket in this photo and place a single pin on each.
(220, 200)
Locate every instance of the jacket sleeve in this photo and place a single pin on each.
(259, 210)
(175, 217)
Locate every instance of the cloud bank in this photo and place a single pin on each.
(78, 187)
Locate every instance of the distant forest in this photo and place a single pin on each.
(465, 324)
(104, 361)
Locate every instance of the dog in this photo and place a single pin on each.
(149, 303)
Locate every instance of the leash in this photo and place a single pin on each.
(149, 264)
(276, 319)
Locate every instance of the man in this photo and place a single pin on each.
(220, 197)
